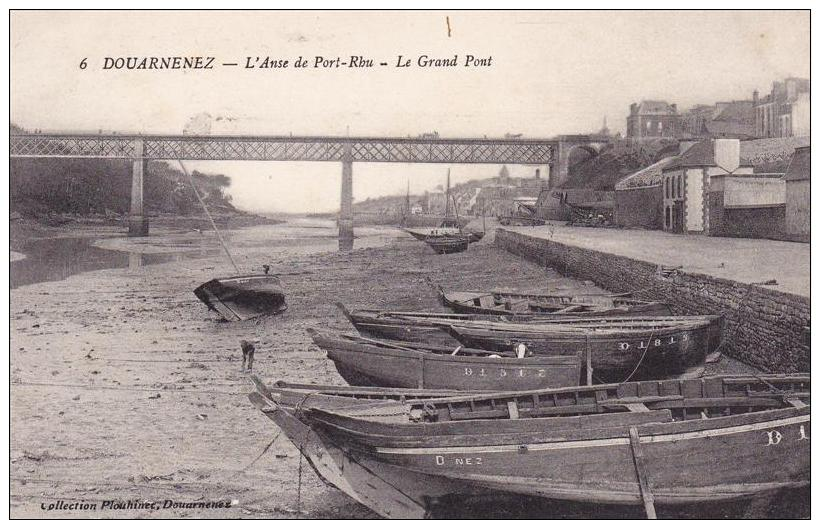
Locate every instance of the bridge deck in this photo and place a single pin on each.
(286, 148)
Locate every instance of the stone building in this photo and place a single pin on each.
(723, 120)
(652, 119)
(798, 195)
(784, 112)
(639, 197)
(709, 190)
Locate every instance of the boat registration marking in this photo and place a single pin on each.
(504, 372)
(657, 342)
(617, 441)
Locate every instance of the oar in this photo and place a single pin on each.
(647, 497)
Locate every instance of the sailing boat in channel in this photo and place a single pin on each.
(448, 237)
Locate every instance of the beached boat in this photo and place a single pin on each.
(242, 297)
(505, 303)
(474, 236)
(433, 327)
(520, 220)
(366, 362)
(643, 443)
(424, 234)
(419, 327)
(619, 347)
(448, 244)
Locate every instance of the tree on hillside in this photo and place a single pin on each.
(85, 186)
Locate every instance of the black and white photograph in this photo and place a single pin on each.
(409, 263)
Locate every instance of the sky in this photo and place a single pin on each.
(551, 73)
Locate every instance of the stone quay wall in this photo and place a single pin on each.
(764, 328)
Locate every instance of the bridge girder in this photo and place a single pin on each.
(235, 148)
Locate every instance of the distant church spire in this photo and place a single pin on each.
(604, 129)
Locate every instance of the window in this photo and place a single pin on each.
(666, 184)
(668, 217)
(680, 186)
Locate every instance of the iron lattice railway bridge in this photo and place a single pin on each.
(274, 148)
(142, 148)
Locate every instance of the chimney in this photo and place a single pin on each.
(727, 154)
(755, 97)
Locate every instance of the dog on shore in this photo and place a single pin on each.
(248, 349)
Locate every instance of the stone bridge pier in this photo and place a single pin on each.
(137, 221)
(346, 202)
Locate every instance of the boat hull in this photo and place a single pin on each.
(724, 461)
(406, 332)
(243, 297)
(367, 364)
(565, 305)
(445, 245)
(435, 329)
(613, 356)
(590, 458)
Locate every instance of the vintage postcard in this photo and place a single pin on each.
(409, 264)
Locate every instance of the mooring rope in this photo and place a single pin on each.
(265, 450)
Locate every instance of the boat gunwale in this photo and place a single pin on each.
(740, 379)
(410, 353)
(424, 435)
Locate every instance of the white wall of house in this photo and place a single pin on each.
(694, 199)
(801, 115)
(744, 191)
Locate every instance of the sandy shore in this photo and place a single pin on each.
(124, 387)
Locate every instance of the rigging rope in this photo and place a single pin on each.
(208, 213)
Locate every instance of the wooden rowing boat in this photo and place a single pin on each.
(367, 362)
(619, 346)
(505, 303)
(432, 327)
(242, 297)
(418, 326)
(655, 442)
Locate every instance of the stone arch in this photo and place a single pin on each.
(572, 151)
